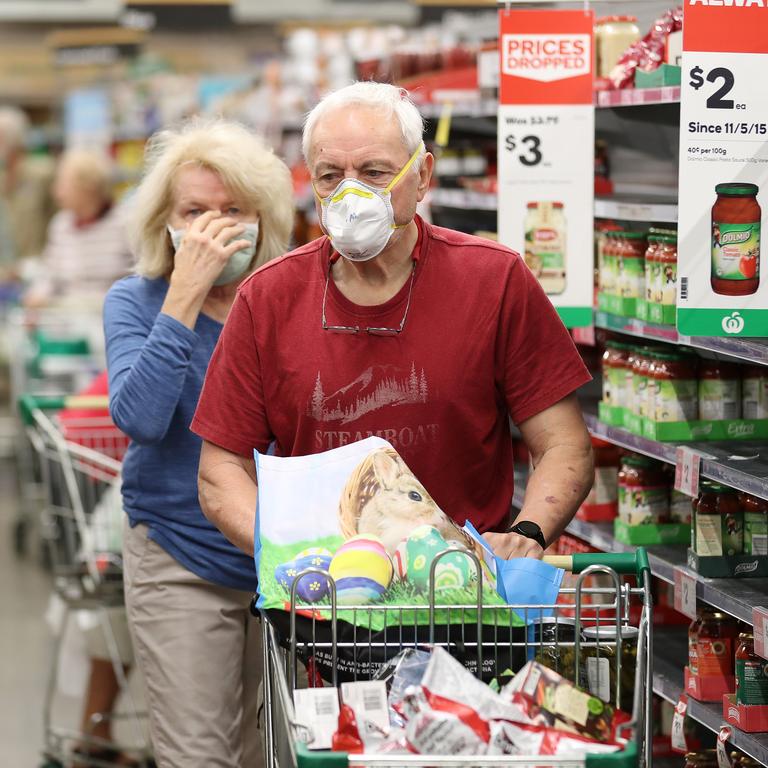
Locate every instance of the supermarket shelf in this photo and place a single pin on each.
(464, 108)
(656, 210)
(671, 650)
(740, 464)
(463, 198)
(751, 350)
(734, 596)
(635, 97)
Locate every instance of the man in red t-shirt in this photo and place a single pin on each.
(388, 326)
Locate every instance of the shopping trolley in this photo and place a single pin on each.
(52, 352)
(494, 642)
(80, 526)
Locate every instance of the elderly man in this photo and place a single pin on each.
(389, 326)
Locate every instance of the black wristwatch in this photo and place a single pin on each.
(530, 530)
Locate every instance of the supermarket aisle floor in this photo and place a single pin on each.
(24, 639)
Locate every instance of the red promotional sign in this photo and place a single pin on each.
(727, 26)
(546, 57)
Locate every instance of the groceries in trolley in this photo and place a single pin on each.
(437, 707)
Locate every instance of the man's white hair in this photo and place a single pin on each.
(390, 100)
(14, 126)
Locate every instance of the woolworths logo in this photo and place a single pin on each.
(733, 323)
(745, 568)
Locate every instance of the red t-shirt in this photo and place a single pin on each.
(481, 342)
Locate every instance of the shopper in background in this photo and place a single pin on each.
(315, 341)
(215, 204)
(87, 248)
(26, 206)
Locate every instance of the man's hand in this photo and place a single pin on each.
(509, 545)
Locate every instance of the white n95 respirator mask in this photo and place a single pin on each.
(238, 262)
(358, 218)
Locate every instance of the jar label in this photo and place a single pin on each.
(599, 677)
(735, 251)
(614, 386)
(643, 505)
(719, 399)
(755, 533)
(605, 489)
(715, 656)
(667, 281)
(718, 535)
(751, 681)
(631, 277)
(639, 394)
(755, 397)
(676, 400)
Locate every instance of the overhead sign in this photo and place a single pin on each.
(722, 278)
(546, 124)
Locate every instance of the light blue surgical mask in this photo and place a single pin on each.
(238, 262)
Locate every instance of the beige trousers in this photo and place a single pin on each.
(199, 649)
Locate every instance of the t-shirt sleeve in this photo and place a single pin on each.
(538, 361)
(231, 411)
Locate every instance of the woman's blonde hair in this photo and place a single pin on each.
(91, 171)
(248, 168)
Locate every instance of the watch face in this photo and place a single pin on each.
(530, 530)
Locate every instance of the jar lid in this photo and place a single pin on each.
(679, 356)
(746, 636)
(711, 485)
(608, 631)
(529, 206)
(557, 206)
(737, 190)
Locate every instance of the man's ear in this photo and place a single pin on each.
(425, 175)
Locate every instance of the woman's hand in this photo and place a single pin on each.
(204, 252)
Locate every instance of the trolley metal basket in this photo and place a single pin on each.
(287, 738)
(81, 530)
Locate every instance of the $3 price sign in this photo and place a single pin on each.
(527, 149)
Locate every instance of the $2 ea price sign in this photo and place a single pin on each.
(723, 187)
(545, 148)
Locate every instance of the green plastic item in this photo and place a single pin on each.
(50, 345)
(29, 403)
(661, 533)
(626, 563)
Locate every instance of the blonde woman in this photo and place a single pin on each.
(214, 205)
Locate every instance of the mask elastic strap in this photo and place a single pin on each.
(405, 168)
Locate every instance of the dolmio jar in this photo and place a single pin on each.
(736, 240)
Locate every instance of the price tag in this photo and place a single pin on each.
(760, 621)
(585, 335)
(546, 124)
(723, 152)
(678, 725)
(685, 592)
(687, 468)
(368, 698)
(723, 759)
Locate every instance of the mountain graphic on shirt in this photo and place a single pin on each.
(377, 387)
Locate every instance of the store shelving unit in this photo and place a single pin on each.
(658, 210)
(636, 97)
(670, 654)
(739, 464)
(463, 199)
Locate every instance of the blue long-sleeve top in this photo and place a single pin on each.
(156, 369)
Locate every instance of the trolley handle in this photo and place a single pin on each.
(30, 403)
(626, 563)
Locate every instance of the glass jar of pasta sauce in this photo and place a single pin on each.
(719, 390)
(641, 364)
(715, 644)
(672, 376)
(736, 217)
(755, 524)
(665, 289)
(651, 268)
(754, 392)
(631, 265)
(643, 491)
(719, 521)
(614, 367)
(751, 673)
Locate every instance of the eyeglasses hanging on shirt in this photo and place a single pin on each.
(373, 330)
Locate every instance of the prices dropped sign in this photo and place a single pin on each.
(723, 205)
(546, 152)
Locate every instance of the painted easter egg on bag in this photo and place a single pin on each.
(312, 587)
(453, 571)
(361, 569)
